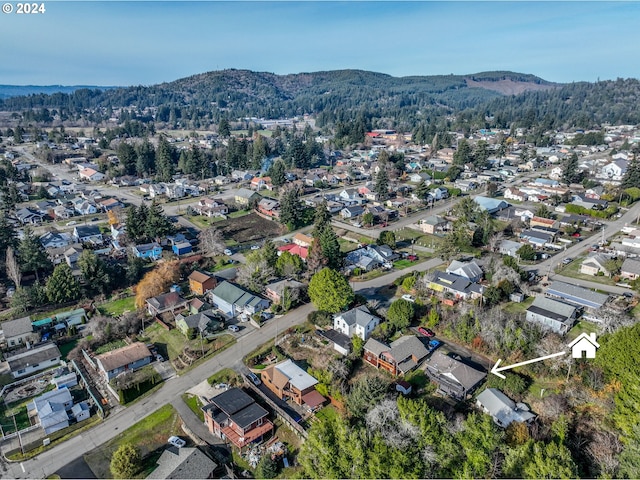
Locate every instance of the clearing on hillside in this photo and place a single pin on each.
(249, 228)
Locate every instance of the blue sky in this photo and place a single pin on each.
(147, 42)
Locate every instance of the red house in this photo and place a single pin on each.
(236, 417)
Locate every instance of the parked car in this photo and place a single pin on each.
(567, 261)
(159, 358)
(222, 386)
(227, 252)
(433, 344)
(255, 247)
(234, 328)
(627, 294)
(176, 441)
(95, 219)
(254, 378)
(427, 332)
(408, 298)
(72, 222)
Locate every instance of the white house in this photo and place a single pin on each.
(616, 169)
(515, 194)
(357, 321)
(502, 409)
(91, 175)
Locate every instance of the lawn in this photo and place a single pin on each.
(581, 327)
(203, 221)
(238, 213)
(110, 346)
(346, 246)
(573, 270)
(193, 403)
(515, 308)
(148, 434)
(226, 375)
(117, 307)
(173, 341)
(65, 348)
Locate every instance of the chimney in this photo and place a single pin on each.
(592, 336)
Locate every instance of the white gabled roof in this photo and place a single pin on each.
(296, 375)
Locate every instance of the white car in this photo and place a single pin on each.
(227, 252)
(176, 441)
(234, 328)
(408, 298)
(255, 247)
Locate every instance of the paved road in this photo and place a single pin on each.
(53, 460)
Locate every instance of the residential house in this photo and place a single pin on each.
(589, 203)
(537, 239)
(288, 381)
(357, 321)
(72, 254)
(458, 287)
(630, 269)
(544, 222)
(432, 224)
(55, 239)
(581, 297)
(244, 197)
(352, 211)
(502, 409)
(210, 207)
(509, 247)
(302, 240)
(28, 361)
(398, 358)
(91, 175)
(469, 270)
(594, 192)
(29, 216)
(110, 203)
(199, 323)
(453, 377)
(595, 264)
(294, 249)
(466, 185)
(491, 205)
(87, 234)
(200, 283)
(274, 291)
(221, 180)
(616, 169)
(269, 207)
(175, 463)
(234, 416)
(552, 314)
(175, 190)
(261, 183)
(241, 175)
(420, 178)
(439, 193)
(166, 302)
(126, 359)
(19, 332)
(350, 196)
(62, 212)
(51, 409)
(84, 207)
(513, 193)
(233, 300)
(147, 251)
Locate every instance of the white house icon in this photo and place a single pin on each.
(584, 344)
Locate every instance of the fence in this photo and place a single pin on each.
(88, 384)
(24, 380)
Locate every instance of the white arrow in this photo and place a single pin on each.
(495, 368)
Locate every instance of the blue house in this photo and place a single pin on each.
(129, 358)
(152, 251)
(181, 248)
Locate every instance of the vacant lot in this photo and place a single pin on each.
(148, 435)
(249, 228)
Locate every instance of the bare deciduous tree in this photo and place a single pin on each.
(13, 267)
(385, 419)
(212, 241)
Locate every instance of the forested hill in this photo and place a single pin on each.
(489, 98)
(8, 91)
(261, 94)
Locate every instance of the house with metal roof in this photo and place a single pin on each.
(491, 205)
(581, 297)
(232, 300)
(51, 409)
(509, 247)
(595, 264)
(150, 251)
(502, 409)
(288, 381)
(552, 314)
(234, 416)
(536, 239)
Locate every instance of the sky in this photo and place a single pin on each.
(148, 42)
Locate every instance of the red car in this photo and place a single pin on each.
(412, 258)
(426, 332)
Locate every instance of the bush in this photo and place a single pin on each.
(320, 318)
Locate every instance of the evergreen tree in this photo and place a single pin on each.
(8, 235)
(291, 208)
(382, 184)
(157, 224)
(128, 157)
(631, 177)
(571, 173)
(94, 271)
(321, 218)
(277, 173)
(330, 291)
(166, 159)
(224, 129)
(62, 286)
(145, 157)
(330, 247)
(32, 255)
(270, 253)
(463, 154)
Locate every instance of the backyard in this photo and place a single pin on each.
(118, 306)
(148, 435)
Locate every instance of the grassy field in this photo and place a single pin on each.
(65, 348)
(573, 270)
(110, 346)
(203, 221)
(171, 342)
(581, 327)
(117, 307)
(148, 435)
(226, 375)
(194, 404)
(636, 311)
(514, 307)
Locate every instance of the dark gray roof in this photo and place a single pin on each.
(453, 369)
(87, 230)
(236, 405)
(183, 463)
(200, 320)
(32, 356)
(406, 347)
(375, 347)
(560, 288)
(336, 337)
(14, 328)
